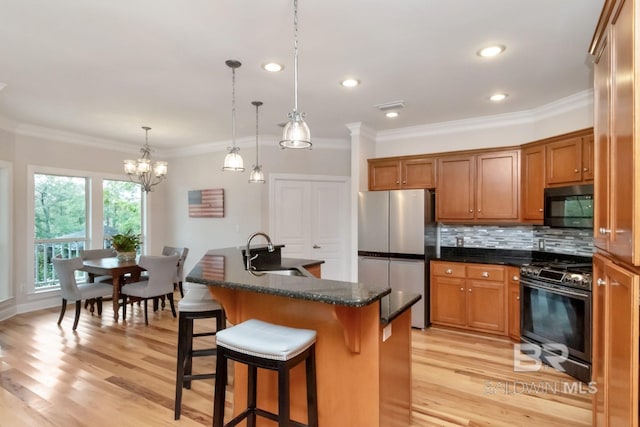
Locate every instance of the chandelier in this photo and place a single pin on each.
(141, 172)
(296, 133)
(257, 176)
(233, 160)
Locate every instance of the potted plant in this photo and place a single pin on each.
(126, 245)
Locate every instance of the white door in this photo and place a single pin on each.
(309, 215)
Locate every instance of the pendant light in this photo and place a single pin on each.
(257, 177)
(296, 132)
(141, 172)
(233, 160)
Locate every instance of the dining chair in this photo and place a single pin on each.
(65, 270)
(182, 252)
(161, 274)
(97, 254)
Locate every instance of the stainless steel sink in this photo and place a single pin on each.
(284, 272)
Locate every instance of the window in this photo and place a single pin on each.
(72, 211)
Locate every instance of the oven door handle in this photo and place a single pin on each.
(555, 290)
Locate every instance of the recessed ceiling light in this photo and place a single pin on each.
(350, 82)
(490, 51)
(391, 114)
(497, 97)
(273, 67)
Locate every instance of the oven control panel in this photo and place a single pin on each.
(579, 280)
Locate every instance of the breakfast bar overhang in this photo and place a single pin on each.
(363, 347)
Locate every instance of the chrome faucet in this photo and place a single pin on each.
(248, 249)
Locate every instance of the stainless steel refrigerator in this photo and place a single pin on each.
(397, 236)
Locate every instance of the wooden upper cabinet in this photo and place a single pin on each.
(533, 177)
(401, 173)
(570, 161)
(455, 197)
(498, 185)
(481, 187)
(418, 173)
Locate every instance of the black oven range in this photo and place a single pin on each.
(555, 312)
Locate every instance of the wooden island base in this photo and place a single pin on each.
(362, 381)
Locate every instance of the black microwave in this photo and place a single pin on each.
(569, 207)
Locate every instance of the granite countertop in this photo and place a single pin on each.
(225, 268)
(394, 304)
(503, 256)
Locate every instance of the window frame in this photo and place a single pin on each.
(94, 214)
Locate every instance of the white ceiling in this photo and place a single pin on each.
(106, 68)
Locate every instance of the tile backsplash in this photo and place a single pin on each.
(520, 237)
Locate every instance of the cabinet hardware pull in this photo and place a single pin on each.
(461, 289)
(540, 210)
(397, 182)
(615, 283)
(515, 278)
(470, 210)
(518, 298)
(404, 182)
(603, 230)
(576, 170)
(585, 170)
(448, 271)
(601, 282)
(469, 289)
(485, 274)
(316, 247)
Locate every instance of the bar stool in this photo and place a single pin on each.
(264, 345)
(196, 304)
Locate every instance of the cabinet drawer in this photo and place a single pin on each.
(448, 269)
(486, 272)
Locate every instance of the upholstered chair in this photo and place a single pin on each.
(97, 254)
(183, 252)
(65, 270)
(161, 274)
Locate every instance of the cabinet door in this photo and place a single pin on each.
(599, 340)
(513, 304)
(533, 183)
(456, 183)
(384, 174)
(485, 305)
(418, 173)
(602, 130)
(587, 158)
(497, 185)
(564, 161)
(621, 357)
(623, 146)
(448, 301)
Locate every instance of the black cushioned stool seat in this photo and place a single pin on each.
(196, 304)
(264, 345)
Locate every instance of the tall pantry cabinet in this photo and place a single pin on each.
(616, 49)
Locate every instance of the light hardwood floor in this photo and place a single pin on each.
(123, 374)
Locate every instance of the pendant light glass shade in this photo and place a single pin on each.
(296, 132)
(141, 171)
(256, 177)
(233, 161)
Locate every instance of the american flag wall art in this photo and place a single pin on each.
(206, 203)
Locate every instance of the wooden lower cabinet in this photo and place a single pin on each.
(513, 303)
(615, 343)
(469, 296)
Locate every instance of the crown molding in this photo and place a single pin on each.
(360, 129)
(561, 106)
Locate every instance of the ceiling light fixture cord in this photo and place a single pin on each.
(233, 160)
(296, 133)
(257, 176)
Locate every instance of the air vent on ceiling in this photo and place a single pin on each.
(396, 105)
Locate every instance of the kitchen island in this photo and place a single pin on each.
(363, 347)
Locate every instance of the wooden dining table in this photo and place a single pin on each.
(117, 269)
